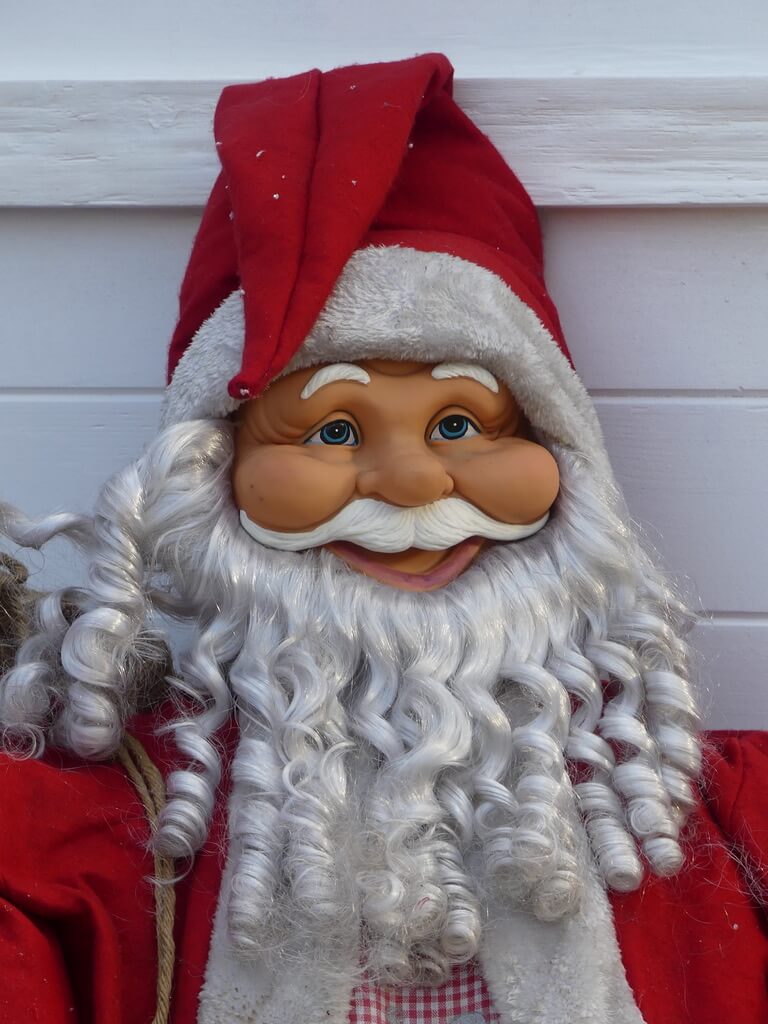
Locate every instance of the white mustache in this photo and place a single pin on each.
(378, 526)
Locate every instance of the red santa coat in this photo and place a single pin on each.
(77, 928)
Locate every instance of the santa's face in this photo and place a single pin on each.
(400, 436)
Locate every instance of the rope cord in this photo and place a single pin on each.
(149, 784)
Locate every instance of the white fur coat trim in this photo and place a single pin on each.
(561, 972)
(392, 302)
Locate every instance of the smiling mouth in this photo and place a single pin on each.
(375, 564)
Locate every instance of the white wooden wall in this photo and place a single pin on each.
(641, 130)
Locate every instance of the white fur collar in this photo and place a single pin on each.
(239, 993)
(562, 972)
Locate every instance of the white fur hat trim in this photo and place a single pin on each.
(392, 302)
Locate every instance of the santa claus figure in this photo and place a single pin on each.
(431, 755)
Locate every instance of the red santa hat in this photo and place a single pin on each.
(361, 214)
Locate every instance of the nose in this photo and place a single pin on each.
(408, 480)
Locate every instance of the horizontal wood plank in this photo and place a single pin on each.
(89, 298)
(687, 475)
(634, 141)
(662, 299)
(649, 299)
(696, 480)
(58, 450)
(732, 657)
(691, 471)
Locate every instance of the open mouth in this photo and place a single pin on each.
(454, 561)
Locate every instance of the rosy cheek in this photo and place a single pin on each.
(282, 488)
(516, 481)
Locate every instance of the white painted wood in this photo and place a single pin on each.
(573, 141)
(687, 475)
(89, 298)
(232, 39)
(695, 477)
(56, 454)
(58, 450)
(733, 672)
(731, 654)
(691, 470)
(662, 299)
(649, 299)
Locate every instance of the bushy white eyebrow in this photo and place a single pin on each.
(330, 374)
(445, 371)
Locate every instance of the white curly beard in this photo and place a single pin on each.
(403, 757)
(403, 760)
(379, 780)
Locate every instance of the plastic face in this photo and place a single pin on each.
(403, 433)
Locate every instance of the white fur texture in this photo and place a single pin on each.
(563, 972)
(392, 302)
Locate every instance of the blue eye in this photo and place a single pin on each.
(337, 432)
(454, 428)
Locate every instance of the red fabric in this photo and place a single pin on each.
(77, 937)
(465, 992)
(319, 164)
(76, 915)
(695, 947)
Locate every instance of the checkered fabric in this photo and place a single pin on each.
(463, 999)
